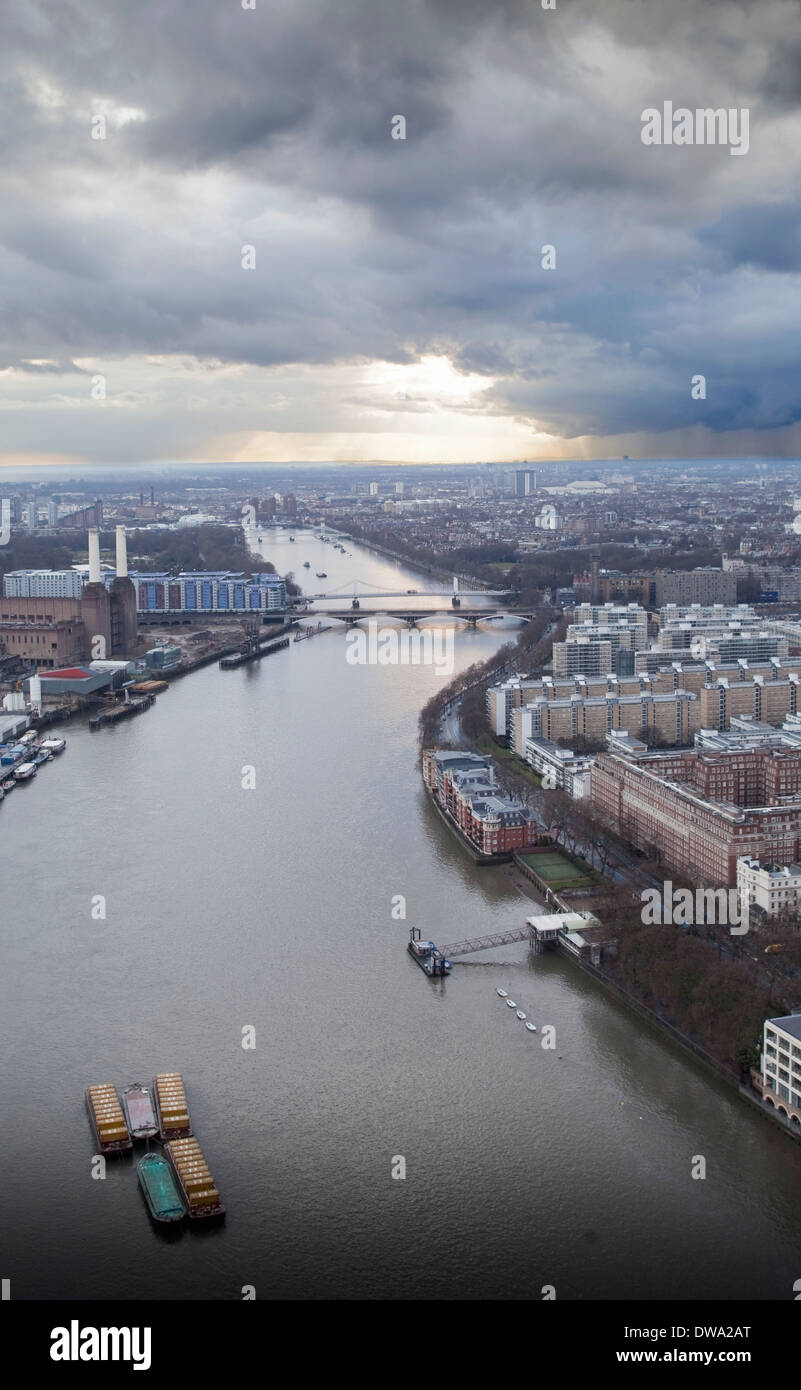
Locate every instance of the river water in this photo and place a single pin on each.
(271, 908)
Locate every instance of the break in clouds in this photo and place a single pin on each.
(376, 257)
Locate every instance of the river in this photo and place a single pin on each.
(271, 907)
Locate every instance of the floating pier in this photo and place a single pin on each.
(118, 712)
(227, 663)
(427, 955)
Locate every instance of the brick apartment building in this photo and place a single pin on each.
(700, 810)
(465, 787)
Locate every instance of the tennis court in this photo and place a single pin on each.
(557, 871)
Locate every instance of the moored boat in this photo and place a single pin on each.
(197, 1186)
(172, 1110)
(510, 1004)
(502, 992)
(43, 756)
(53, 745)
(107, 1119)
(531, 1028)
(521, 1015)
(157, 1181)
(137, 1103)
(25, 771)
(8, 784)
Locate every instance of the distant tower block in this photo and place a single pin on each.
(595, 578)
(124, 631)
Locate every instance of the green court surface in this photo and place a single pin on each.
(554, 869)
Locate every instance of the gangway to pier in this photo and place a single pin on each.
(484, 943)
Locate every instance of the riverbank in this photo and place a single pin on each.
(435, 571)
(732, 1038)
(740, 1082)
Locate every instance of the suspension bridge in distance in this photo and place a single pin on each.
(369, 602)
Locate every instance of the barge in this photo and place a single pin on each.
(427, 955)
(172, 1110)
(197, 1186)
(107, 1120)
(137, 1104)
(24, 772)
(157, 1181)
(227, 663)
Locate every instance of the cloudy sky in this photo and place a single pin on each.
(398, 308)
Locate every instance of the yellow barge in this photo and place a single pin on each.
(107, 1120)
(197, 1186)
(171, 1107)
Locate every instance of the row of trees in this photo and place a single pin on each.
(532, 648)
(718, 999)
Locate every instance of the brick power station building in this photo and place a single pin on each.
(53, 631)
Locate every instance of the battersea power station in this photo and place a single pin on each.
(58, 630)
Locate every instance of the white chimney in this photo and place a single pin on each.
(122, 554)
(94, 556)
(36, 694)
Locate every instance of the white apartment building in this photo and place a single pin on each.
(500, 703)
(781, 1065)
(772, 888)
(602, 614)
(563, 768)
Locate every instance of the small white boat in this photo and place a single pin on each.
(521, 1015)
(53, 745)
(502, 993)
(510, 1004)
(25, 771)
(531, 1028)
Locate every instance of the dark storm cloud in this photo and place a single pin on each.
(271, 127)
(767, 235)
